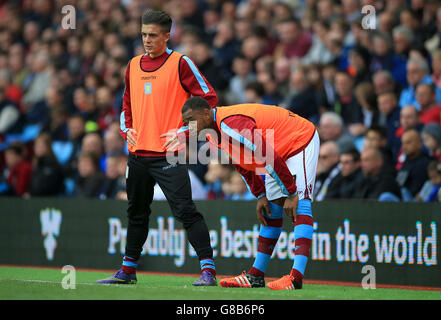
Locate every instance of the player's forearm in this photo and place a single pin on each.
(126, 112)
(254, 181)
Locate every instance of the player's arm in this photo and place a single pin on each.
(125, 129)
(193, 81)
(263, 152)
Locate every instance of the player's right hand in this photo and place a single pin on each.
(131, 136)
(172, 140)
(262, 208)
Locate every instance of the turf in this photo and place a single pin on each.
(46, 284)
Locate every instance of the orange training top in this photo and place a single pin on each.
(291, 132)
(149, 92)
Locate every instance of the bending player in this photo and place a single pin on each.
(283, 146)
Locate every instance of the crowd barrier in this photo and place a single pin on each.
(391, 243)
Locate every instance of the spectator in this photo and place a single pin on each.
(327, 169)
(302, 100)
(282, 71)
(89, 179)
(93, 143)
(18, 171)
(319, 53)
(243, 75)
(383, 55)
(378, 181)
(359, 63)
(225, 45)
(376, 137)
(346, 104)
(430, 108)
(106, 112)
(39, 79)
(417, 73)
(342, 187)
(254, 92)
(403, 38)
(10, 117)
(209, 67)
(409, 119)
(217, 174)
(389, 117)
(434, 42)
(331, 128)
(271, 94)
(383, 81)
(113, 181)
(413, 173)
(431, 135)
(12, 91)
(436, 68)
(294, 43)
(238, 188)
(365, 95)
(47, 174)
(430, 190)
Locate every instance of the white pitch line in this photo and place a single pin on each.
(58, 282)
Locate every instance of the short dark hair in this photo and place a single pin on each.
(196, 104)
(381, 130)
(162, 19)
(257, 87)
(354, 153)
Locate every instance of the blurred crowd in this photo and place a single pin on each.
(373, 90)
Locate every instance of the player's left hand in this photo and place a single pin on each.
(290, 207)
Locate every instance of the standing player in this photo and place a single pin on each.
(157, 85)
(286, 146)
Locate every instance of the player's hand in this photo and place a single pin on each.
(261, 208)
(290, 207)
(132, 136)
(173, 140)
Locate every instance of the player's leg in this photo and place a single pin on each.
(139, 187)
(303, 166)
(175, 183)
(268, 236)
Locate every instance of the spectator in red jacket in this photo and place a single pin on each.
(18, 170)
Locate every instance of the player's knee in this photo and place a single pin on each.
(189, 218)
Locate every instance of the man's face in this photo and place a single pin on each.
(328, 157)
(154, 39)
(414, 73)
(386, 103)
(373, 139)
(196, 120)
(411, 143)
(343, 84)
(328, 130)
(409, 118)
(370, 163)
(348, 165)
(424, 96)
(381, 85)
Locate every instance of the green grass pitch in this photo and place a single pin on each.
(46, 284)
